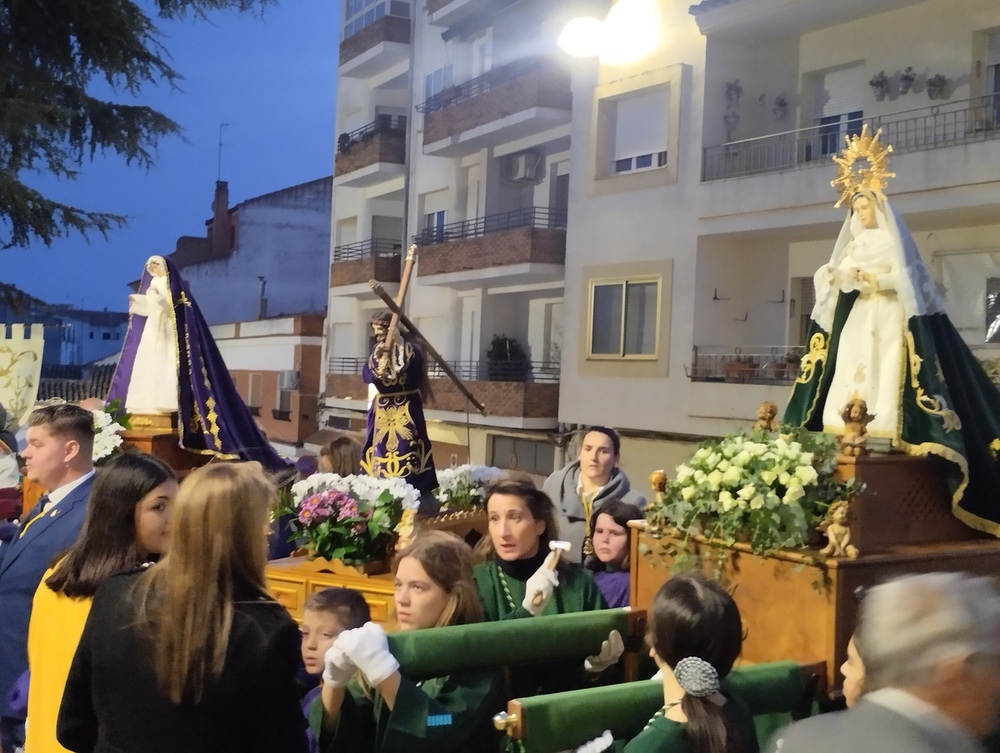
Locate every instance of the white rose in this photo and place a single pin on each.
(806, 474)
(714, 479)
(727, 501)
(683, 473)
(732, 475)
(687, 492)
(742, 458)
(699, 477)
(806, 458)
(723, 466)
(794, 494)
(784, 478)
(768, 477)
(747, 492)
(757, 502)
(701, 454)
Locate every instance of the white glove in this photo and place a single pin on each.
(337, 668)
(611, 651)
(368, 649)
(598, 744)
(538, 589)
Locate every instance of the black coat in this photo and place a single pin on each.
(111, 703)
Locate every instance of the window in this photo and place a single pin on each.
(437, 81)
(641, 130)
(91, 335)
(361, 13)
(434, 227)
(838, 95)
(525, 455)
(993, 75)
(624, 317)
(106, 336)
(253, 396)
(285, 400)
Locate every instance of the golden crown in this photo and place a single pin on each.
(872, 174)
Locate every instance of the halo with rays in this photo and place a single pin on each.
(874, 175)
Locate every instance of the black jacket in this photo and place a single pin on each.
(111, 703)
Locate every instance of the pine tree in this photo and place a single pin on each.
(51, 52)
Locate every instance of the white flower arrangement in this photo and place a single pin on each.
(108, 428)
(462, 488)
(349, 518)
(762, 489)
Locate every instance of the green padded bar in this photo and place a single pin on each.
(440, 651)
(562, 721)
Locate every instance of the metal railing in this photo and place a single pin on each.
(364, 249)
(473, 371)
(499, 371)
(746, 364)
(537, 217)
(340, 365)
(948, 124)
(382, 125)
(481, 84)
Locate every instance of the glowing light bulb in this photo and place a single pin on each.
(581, 37)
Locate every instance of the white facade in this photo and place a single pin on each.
(735, 224)
(697, 211)
(278, 264)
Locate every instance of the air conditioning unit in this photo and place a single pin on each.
(525, 167)
(288, 380)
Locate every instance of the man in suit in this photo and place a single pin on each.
(58, 456)
(932, 672)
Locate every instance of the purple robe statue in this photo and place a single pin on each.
(212, 417)
(397, 444)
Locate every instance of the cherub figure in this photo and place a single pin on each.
(837, 533)
(856, 419)
(658, 481)
(766, 413)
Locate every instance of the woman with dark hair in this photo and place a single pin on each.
(127, 523)
(695, 636)
(516, 581)
(192, 654)
(387, 712)
(609, 563)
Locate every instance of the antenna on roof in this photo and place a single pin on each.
(221, 126)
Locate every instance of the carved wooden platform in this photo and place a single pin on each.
(798, 609)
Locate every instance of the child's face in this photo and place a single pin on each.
(319, 630)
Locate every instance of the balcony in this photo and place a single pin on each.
(373, 259)
(524, 389)
(503, 105)
(376, 47)
(450, 12)
(344, 379)
(748, 364)
(948, 124)
(521, 246)
(373, 153)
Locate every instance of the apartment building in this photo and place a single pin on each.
(645, 223)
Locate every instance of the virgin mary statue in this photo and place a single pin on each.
(170, 362)
(879, 331)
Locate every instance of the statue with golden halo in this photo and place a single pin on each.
(879, 332)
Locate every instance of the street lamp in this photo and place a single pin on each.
(631, 31)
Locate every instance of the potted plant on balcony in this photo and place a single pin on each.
(906, 79)
(936, 85)
(506, 360)
(880, 85)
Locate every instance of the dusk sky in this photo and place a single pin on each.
(272, 79)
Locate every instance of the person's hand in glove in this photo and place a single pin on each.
(611, 651)
(539, 589)
(367, 649)
(598, 744)
(337, 668)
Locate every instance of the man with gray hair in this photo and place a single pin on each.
(932, 670)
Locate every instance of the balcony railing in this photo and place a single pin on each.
(748, 364)
(371, 248)
(473, 371)
(383, 125)
(536, 217)
(499, 371)
(340, 365)
(479, 85)
(948, 124)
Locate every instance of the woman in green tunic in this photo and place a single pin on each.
(695, 635)
(515, 582)
(367, 706)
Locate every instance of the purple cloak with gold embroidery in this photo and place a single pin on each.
(212, 417)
